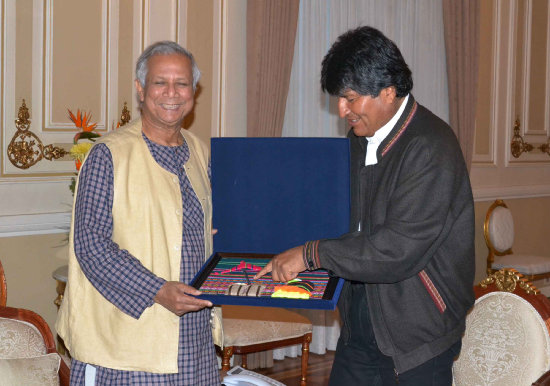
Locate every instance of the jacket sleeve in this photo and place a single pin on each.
(419, 210)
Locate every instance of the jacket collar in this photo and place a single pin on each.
(399, 128)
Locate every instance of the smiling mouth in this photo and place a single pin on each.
(169, 106)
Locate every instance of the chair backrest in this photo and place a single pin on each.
(24, 333)
(3, 287)
(27, 350)
(506, 341)
(498, 230)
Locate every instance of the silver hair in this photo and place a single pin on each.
(164, 47)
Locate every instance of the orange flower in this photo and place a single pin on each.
(82, 121)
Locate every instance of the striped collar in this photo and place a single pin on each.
(401, 125)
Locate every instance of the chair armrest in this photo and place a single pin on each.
(544, 380)
(64, 373)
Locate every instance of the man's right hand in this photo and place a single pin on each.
(174, 296)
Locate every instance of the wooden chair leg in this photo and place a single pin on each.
(244, 364)
(227, 353)
(305, 358)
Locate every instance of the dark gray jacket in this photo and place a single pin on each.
(415, 250)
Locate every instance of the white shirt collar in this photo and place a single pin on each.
(381, 134)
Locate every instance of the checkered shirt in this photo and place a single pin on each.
(121, 278)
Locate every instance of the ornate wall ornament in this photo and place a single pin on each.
(518, 145)
(507, 280)
(125, 116)
(545, 147)
(26, 148)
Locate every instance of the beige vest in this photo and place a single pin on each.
(93, 329)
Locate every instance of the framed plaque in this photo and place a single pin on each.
(227, 278)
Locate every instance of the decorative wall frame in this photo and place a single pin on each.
(511, 155)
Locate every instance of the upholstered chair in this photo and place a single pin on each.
(506, 342)
(249, 330)
(498, 230)
(27, 348)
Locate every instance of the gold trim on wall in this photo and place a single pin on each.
(125, 115)
(518, 146)
(26, 149)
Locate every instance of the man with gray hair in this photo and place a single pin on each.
(141, 230)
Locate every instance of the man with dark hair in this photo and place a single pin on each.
(408, 259)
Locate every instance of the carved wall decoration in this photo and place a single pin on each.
(26, 148)
(518, 146)
(125, 116)
(545, 147)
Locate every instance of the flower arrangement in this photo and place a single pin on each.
(79, 150)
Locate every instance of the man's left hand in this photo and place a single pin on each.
(285, 266)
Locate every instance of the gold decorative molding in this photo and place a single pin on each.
(545, 147)
(507, 280)
(520, 146)
(26, 149)
(125, 116)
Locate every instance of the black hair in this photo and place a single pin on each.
(366, 61)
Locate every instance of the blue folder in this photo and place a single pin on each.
(272, 194)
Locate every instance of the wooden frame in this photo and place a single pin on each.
(227, 352)
(3, 287)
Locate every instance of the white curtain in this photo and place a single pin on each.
(416, 26)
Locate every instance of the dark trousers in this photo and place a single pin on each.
(360, 362)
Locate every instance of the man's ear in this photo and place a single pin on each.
(388, 94)
(139, 90)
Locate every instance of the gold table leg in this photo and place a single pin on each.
(60, 289)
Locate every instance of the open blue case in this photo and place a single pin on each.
(272, 194)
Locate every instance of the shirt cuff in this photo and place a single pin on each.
(311, 255)
(155, 289)
(146, 299)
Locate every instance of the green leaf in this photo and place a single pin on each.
(88, 135)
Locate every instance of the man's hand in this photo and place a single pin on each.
(174, 296)
(285, 266)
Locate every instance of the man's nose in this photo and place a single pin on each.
(343, 108)
(170, 89)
